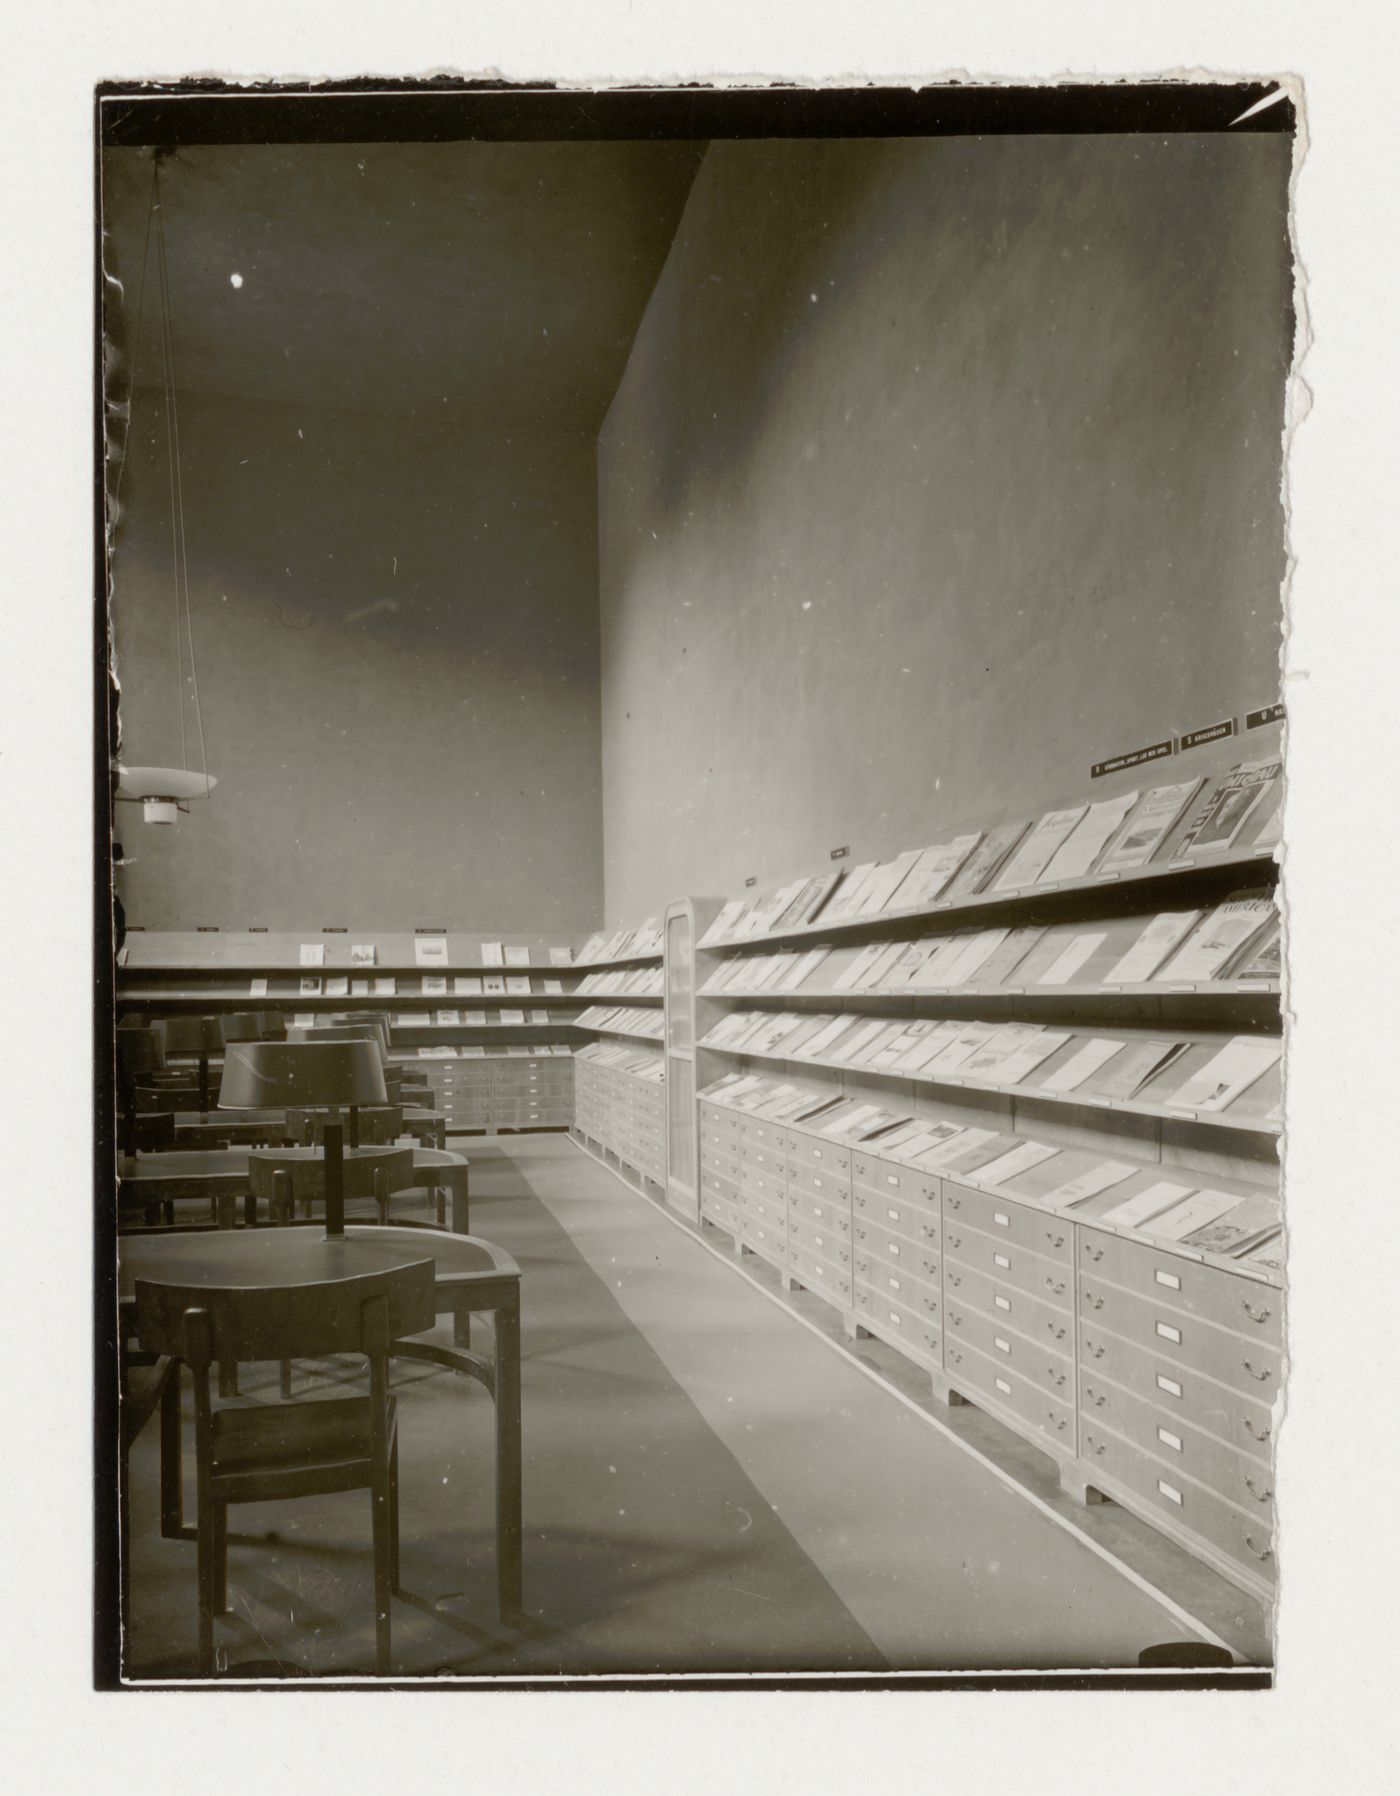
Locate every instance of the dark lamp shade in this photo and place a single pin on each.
(193, 1035)
(272, 1075)
(140, 1050)
(243, 1025)
(359, 1032)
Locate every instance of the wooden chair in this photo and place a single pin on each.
(299, 1449)
(379, 1124)
(146, 1132)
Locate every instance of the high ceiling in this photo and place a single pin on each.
(496, 282)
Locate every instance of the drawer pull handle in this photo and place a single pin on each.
(1267, 1373)
(1095, 1352)
(1094, 1253)
(1054, 1239)
(955, 1319)
(1098, 1451)
(1099, 1401)
(1260, 1496)
(1057, 1285)
(955, 1203)
(954, 1278)
(1057, 1378)
(1255, 1316)
(1057, 1334)
(955, 1356)
(955, 1240)
(1050, 1417)
(1258, 1552)
(1095, 1303)
(1254, 1433)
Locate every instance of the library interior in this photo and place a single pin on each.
(695, 1068)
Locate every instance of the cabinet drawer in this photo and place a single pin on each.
(764, 1158)
(772, 1212)
(1243, 1422)
(763, 1184)
(816, 1274)
(820, 1181)
(1050, 1280)
(921, 1263)
(1036, 1230)
(915, 1221)
(1245, 1538)
(1253, 1367)
(822, 1243)
(823, 1212)
(887, 1178)
(1243, 1304)
(1043, 1322)
(1048, 1366)
(755, 1132)
(721, 1210)
(726, 1166)
(771, 1244)
(1241, 1478)
(715, 1186)
(885, 1244)
(888, 1315)
(898, 1286)
(723, 1122)
(825, 1156)
(1043, 1407)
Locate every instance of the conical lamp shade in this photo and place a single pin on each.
(273, 1075)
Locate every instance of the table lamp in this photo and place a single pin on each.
(201, 1036)
(271, 1075)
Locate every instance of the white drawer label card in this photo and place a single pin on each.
(1000, 1259)
(1003, 1387)
(1001, 1345)
(1000, 1220)
(891, 1248)
(892, 1214)
(818, 1184)
(1169, 1279)
(1169, 1491)
(892, 1178)
(1169, 1385)
(1002, 1303)
(1168, 1439)
(895, 1317)
(1168, 1333)
(894, 1284)
(819, 1240)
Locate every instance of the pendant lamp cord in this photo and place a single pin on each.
(179, 552)
(179, 556)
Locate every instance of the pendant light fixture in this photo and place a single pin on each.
(163, 792)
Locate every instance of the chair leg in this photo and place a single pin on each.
(220, 1574)
(383, 1574)
(204, 1573)
(172, 1507)
(394, 1518)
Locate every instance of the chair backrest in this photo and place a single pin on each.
(201, 1323)
(148, 1132)
(309, 1175)
(378, 1124)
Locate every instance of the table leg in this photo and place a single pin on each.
(506, 1322)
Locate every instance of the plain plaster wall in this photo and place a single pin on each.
(396, 630)
(939, 470)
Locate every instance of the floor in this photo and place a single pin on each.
(710, 1484)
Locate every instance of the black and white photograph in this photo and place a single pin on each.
(697, 786)
(696, 738)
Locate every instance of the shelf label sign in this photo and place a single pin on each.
(1255, 720)
(839, 854)
(1155, 751)
(1213, 732)
(752, 880)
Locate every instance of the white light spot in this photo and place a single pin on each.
(806, 604)
(235, 280)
